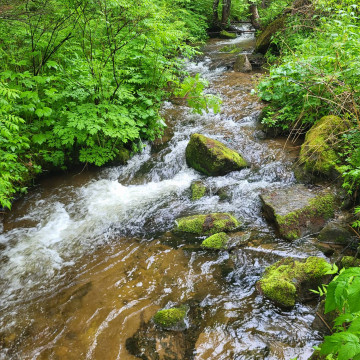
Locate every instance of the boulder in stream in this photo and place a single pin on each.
(298, 211)
(211, 157)
(198, 190)
(242, 64)
(288, 280)
(227, 35)
(216, 241)
(318, 152)
(336, 233)
(207, 224)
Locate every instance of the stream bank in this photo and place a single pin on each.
(89, 259)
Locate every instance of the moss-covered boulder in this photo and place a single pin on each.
(198, 190)
(207, 224)
(216, 241)
(318, 153)
(298, 211)
(288, 280)
(263, 41)
(168, 318)
(242, 64)
(211, 157)
(227, 35)
(349, 261)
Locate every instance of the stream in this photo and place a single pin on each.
(87, 258)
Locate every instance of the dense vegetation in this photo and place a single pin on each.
(82, 81)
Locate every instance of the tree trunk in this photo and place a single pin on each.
(225, 13)
(255, 18)
(216, 12)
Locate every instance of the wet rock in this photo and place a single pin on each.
(242, 64)
(211, 157)
(288, 280)
(227, 35)
(263, 41)
(198, 190)
(298, 211)
(336, 233)
(318, 153)
(231, 49)
(216, 241)
(152, 342)
(123, 156)
(207, 224)
(256, 60)
(224, 193)
(349, 261)
(170, 318)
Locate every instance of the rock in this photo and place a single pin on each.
(212, 157)
(216, 241)
(263, 41)
(324, 322)
(198, 190)
(231, 49)
(256, 60)
(122, 156)
(207, 224)
(224, 193)
(318, 153)
(348, 262)
(288, 280)
(335, 233)
(242, 64)
(226, 35)
(297, 211)
(169, 318)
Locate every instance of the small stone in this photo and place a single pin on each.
(216, 241)
(242, 64)
(168, 318)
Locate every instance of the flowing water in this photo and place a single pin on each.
(87, 258)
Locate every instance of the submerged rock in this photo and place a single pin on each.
(297, 211)
(288, 280)
(216, 241)
(318, 152)
(207, 224)
(263, 41)
(168, 318)
(211, 157)
(198, 190)
(242, 64)
(226, 35)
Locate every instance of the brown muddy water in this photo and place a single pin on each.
(87, 259)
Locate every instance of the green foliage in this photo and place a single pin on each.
(342, 295)
(80, 80)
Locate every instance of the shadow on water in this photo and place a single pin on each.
(87, 259)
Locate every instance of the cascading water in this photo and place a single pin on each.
(85, 262)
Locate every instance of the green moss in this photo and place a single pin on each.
(211, 157)
(283, 280)
(349, 261)
(319, 151)
(123, 156)
(232, 49)
(264, 39)
(216, 241)
(170, 317)
(226, 35)
(207, 224)
(198, 190)
(320, 208)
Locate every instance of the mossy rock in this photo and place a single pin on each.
(169, 318)
(231, 49)
(297, 211)
(242, 64)
(211, 157)
(318, 153)
(349, 261)
(198, 190)
(263, 41)
(123, 156)
(226, 35)
(335, 233)
(288, 280)
(207, 224)
(216, 241)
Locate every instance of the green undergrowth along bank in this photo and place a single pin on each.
(83, 81)
(315, 73)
